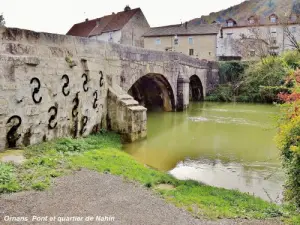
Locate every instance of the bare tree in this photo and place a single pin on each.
(291, 33)
(2, 20)
(258, 42)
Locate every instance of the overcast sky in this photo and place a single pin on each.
(58, 16)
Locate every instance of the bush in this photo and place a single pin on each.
(231, 71)
(257, 81)
(269, 72)
(224, 93)
(6, 173)
(8, 181)
(288, 141)
(71, 145)
(292, 59)
(269, 94)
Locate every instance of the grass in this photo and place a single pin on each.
(102, 153)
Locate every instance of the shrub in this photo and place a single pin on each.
(270, 94)
(71, 145)
(6, 173)
(292, 59)
(271, 72)
(288, 141)
(224, 93)
(231, 71)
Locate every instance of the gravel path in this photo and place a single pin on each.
(86, 194)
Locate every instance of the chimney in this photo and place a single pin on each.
(186, 25)
(127, 8)
(86, 20)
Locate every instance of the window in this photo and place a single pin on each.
(176, 41)
(230, 24)
(252, 53)
(273, 19)
(191, 40)
(229, 35)
(191, 52)
(157, 41)
(273, 33)
(110, 38)
(273, 41)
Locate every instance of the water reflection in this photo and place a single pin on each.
(225, 145)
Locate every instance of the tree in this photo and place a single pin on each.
(2, 20)
(258, 41)
(289, 27)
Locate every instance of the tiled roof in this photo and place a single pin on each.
(104, 24)
(262, 21)
(120, 20)
(82, 29)
(100, 25)
(183, 29)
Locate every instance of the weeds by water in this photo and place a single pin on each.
(102, 152)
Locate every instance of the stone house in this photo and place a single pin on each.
(126, 27)
(198, 41)
(256, 36)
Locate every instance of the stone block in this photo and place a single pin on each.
(32, 111)
(32, 61)
(3, 106)
(9, 86)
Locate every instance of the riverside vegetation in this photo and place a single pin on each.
(255, 81)
(288, 141)
(271, 80)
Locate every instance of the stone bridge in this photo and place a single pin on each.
(58, 86)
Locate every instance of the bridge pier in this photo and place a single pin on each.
(183, 92)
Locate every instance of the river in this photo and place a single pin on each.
(229, 145)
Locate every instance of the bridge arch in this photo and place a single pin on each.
(154, 92)
(196, 89)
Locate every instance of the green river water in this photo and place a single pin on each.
(228, 145)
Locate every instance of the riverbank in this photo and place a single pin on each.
(107, 198)
(102, 153)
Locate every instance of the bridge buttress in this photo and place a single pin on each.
(183, 89)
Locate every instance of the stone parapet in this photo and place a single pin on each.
(126, 116)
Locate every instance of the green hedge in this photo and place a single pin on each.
(231, 71)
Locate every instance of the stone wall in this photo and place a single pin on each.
(51, 86)
(126, 116)
(55, 86)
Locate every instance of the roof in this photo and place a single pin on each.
(103, 24)
(262, 21)
(183, 29)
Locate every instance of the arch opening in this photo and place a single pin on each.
(154, 92)
(196, 89)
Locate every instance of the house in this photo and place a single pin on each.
(256, 37)
(199, 41)
(126, 27)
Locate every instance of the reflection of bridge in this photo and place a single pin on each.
(55, 85)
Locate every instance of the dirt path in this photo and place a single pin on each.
(87, 194)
